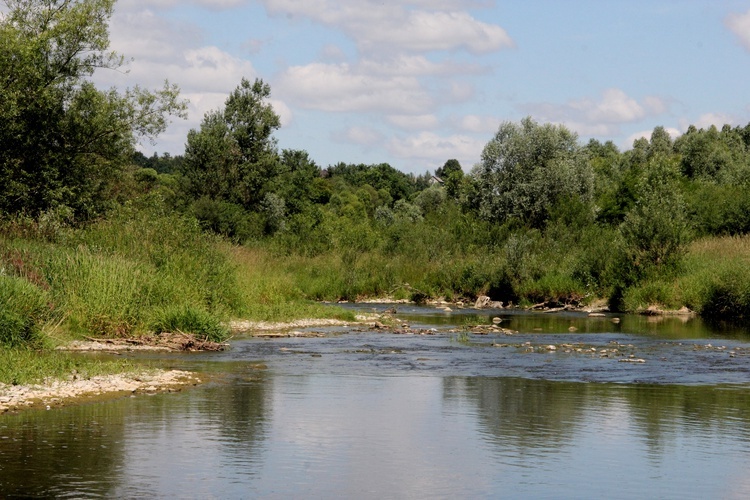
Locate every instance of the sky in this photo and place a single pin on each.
(414, 83)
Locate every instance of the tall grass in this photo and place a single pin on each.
(717, 276)
(24, 309)
(141, 270)
(713, 280)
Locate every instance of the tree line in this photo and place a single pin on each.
(68, 153)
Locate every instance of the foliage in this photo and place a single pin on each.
(62, 141)
(380, 176)
(528, 168)
(32, 366)
(233, 156)
(450, 167)
(655, 230)
(189, 319)
(23, 311)
(713, 155)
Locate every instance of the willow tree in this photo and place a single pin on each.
(528, 169)
(63, 141)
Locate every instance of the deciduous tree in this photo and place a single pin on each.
(233, 156)
(63, 141)
(527, 168)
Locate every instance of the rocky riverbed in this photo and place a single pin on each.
(76, 389)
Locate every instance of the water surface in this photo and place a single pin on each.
(365, 414)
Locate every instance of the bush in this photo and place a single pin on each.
(227, 219)
(23, 311)
(655, 230)
(188, 319)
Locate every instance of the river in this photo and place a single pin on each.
(566, 407)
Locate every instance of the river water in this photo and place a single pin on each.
(566, 407)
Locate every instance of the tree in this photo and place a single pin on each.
(448, 168)
(63, 142)
(233, 156)
(713, 156)
(381, 176)
(661, 142)
(655, 230)
(527, 168)
(299, 182)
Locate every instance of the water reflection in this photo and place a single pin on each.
(369, 415)
(82, 453)
(406, 437)
(678, 326)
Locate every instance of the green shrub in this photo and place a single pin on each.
(727, 294)
(23, 311)
(188, 319)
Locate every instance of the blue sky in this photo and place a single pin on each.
(416, 82)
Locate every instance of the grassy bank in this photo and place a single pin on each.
(140, 271)
(712, 280)
(28, 366)
(146, 270)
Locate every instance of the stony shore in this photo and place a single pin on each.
(63, 392)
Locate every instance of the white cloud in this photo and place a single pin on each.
(165, 4)
(433, 148)
(397, 85)
(163, 50)
(362, 136)
(615, 106)
(600, 116)
(414, 122)
(413, 65)
(479, 124)
(285, 112)
(655, 105)
(461, 91)
(427, 31)
(592, 129)
(377, 26)
(332, 52)
(345, 88)
(739, 24)
(143, 34)
(204, 70)
(716, 119)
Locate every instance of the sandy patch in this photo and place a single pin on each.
(62, 392)
(264, 326)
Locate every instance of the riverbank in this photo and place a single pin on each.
(55, 393)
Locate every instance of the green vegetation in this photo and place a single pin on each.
(98, 240)
(27, 366)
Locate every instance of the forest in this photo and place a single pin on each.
(98, 239)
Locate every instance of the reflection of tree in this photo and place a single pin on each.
(117, 448)
(239, 411)
(524, 413)
(662, 412)
(43, 454)
(535, 415)
(226, 417)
